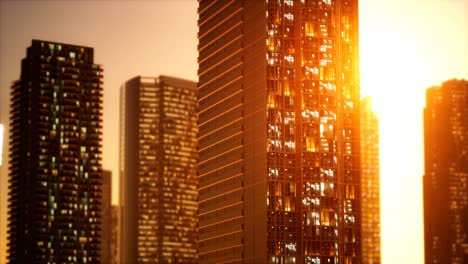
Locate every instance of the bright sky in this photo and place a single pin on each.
(406, 46)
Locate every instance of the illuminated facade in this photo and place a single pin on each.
(278, 92)
(55, 157)
(158, 166)
(370, 183)
(446, 173)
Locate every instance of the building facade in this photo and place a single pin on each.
(370, 183)
(158, 170)
(115, 235)
(446, 173)
(278, 94)
(55, 156)
(106, 222)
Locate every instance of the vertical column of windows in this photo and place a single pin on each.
(319, 133)
(350, 146)
(148, 172)
(179, 186)
(281, 133)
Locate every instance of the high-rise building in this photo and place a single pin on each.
(106, 223)
(55, 156)
(370, 183)
(446, 173)
(158, 166)
(115, 240)
(278, 93)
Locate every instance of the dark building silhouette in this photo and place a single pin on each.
(55, 161)
(278, 94)
(107, 224)
(446, 173)
(158, 170)
(370, 183)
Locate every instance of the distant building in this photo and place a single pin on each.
(107, 224)
(158, 165)
(446, 173)
(278, 93)
(115, 240)
(55, 156)
(370, 183)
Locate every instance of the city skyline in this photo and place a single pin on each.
(377, 14)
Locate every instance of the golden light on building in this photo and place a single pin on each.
(279, 76)
(370, 183)
(446, 173)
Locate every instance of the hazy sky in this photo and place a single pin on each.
(146, 38)
(406, 46)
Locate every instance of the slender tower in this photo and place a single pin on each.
(446, 173)
(370, 183)
(55, 160)
(158, 169)
(278, 93)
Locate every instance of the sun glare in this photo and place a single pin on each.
(391, 69)
(392, 73)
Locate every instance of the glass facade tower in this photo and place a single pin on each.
(370, 183)
(446, 173)
(158, 168)
(279, 177)
(55, 157)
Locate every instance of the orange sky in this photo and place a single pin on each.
(406, 46)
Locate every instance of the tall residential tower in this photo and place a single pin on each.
(278, 93)
(55, 156)
(158, 168)
(370, 183)
(446, 173)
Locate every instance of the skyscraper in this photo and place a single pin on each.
(106, 223)
(115, 235)
(158, 169)
(370, 183)
(55, 156)
(278, 94)
(446, 173)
